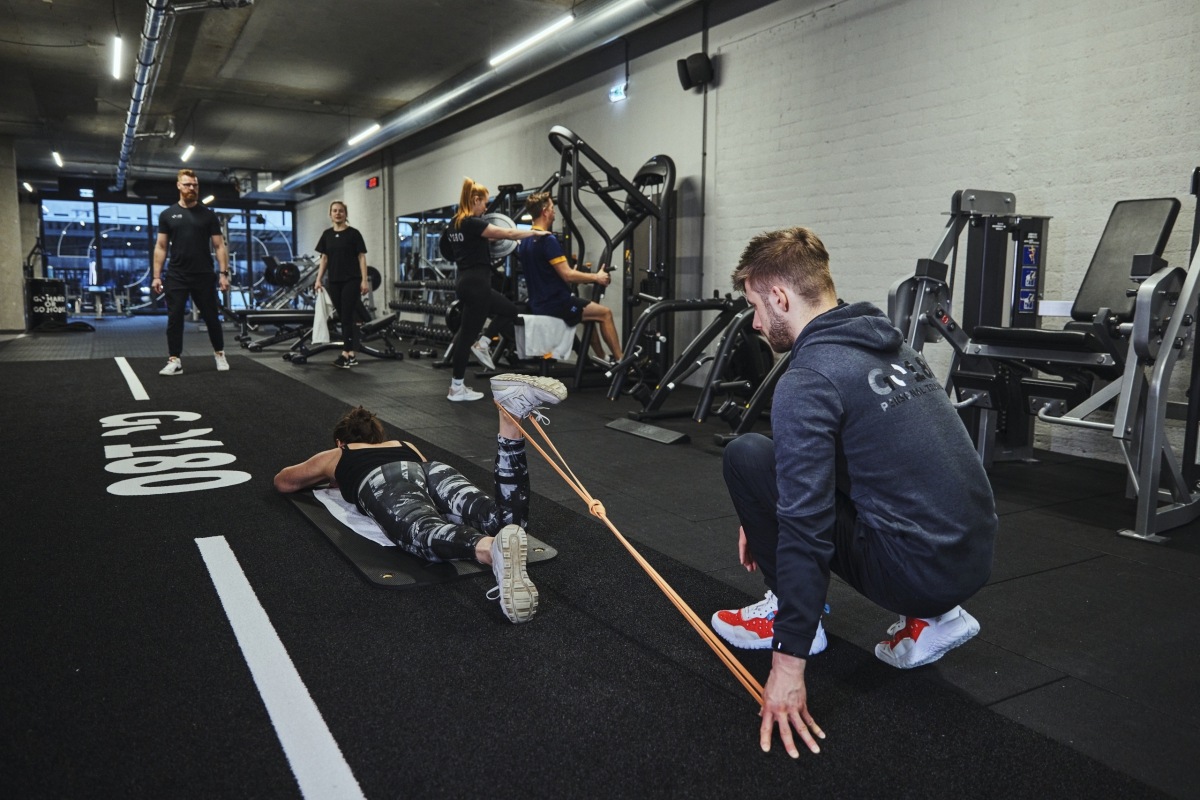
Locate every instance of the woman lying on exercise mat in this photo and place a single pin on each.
(428, 508)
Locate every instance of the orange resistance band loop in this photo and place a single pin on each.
(597, 508)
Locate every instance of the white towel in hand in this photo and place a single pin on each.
(322, 308)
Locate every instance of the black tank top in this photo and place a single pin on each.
(355, 465)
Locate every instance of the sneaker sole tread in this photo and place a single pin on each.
(551, 386)
(520, 601)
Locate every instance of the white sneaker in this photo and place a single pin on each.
(173, 367)
(480, 351)
(463, 394)
(520, 395)
(915, 642)
(753, 627)
(518, 595)
(222, 364)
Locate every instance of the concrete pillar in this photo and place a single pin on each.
(12, 284)
(31, 229)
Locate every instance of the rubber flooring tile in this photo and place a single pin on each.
(1103, 621)
(1105, 725)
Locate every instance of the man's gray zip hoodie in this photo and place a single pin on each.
(860, 412)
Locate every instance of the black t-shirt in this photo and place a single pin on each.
(189, 232)
(470, 248)
(341, 249)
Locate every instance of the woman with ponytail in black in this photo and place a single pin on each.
(470, 236)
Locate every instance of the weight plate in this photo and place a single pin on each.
(500, 248)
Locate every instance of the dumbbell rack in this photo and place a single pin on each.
(433, 305)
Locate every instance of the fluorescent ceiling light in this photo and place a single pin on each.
(208, 199)
(191, 148)
(117, 57)
(28, 188)
(364, 134)
(273, 186)
(532, 40)
(57, 158)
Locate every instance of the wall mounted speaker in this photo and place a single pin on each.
(695, 70)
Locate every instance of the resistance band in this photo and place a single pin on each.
(597, 508)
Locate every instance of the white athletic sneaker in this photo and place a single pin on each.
(520, 395)
(915, 642)
(222, 364)
(480, 351)
(753, 627)
(173, 367)
(518, 595)
(463, 394)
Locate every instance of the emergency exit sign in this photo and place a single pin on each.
(373, 182)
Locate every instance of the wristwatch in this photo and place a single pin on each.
(225, 273)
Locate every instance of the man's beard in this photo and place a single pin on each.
(776, 331)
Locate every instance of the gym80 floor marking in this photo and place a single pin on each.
(165, 468)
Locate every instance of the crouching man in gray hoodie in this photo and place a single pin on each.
(871, 474)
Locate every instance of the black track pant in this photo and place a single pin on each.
(344, 295)
(202, 288)
(858, 557)
(432, 511)
(479, 301)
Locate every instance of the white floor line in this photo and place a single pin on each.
(135, 386)
(314, 755)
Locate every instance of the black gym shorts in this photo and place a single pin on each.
(570, 312)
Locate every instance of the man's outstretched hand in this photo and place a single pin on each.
(785, 702)
(744, 554)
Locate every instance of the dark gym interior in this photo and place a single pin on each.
(175, 626)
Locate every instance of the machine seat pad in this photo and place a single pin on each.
(1067, 341)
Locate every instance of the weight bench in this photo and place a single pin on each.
(289, 324)
(365, 546)
(1131, 320)
(376, 330)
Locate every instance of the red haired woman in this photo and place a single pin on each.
(470, 236)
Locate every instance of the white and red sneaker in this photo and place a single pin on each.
(915, 642)
(753, 627)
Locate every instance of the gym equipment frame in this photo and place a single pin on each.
(1121, 346)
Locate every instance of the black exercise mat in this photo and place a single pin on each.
(391, 567)
(121, 676)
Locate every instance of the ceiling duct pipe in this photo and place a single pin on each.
(594, 24)
(156, 31)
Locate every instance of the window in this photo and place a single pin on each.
(69, 236)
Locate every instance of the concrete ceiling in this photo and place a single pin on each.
(262, 88)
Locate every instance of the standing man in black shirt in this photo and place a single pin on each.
(344, 256)
(188, 228)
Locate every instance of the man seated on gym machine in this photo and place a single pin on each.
(548, 276)
(871, 474)
(428, 508)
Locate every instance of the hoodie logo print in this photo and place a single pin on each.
(900, 377)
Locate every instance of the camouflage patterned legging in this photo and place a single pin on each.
(432, 511)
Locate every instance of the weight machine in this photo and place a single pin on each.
(645, 209)
(1132, 319)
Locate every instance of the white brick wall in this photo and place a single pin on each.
(861, 119)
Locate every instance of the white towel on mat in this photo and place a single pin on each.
(349, 515)
(542, 335)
